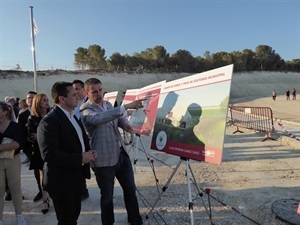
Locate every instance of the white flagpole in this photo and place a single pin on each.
(33, 50)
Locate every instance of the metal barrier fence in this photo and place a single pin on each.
(255, 118)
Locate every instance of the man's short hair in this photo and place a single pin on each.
(60, 89)
(91, 81)
(32, 92)
(78, 82)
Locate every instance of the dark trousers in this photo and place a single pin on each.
(6, 186)
(105, 178)
(84, 186)
(27, 149)
(67, 206)
(38, 178)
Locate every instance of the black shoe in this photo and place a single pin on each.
(7, 196)
(85, 194)
(38, 197)
(46, 206)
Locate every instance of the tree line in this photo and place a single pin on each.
(157, 59)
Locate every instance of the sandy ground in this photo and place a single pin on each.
(252, 176)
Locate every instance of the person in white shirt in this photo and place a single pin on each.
(79, 88)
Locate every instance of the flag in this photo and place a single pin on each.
(35, 28)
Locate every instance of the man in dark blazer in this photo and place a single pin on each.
(23, 120)
(65, 149)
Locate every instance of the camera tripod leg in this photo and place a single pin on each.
(165, 187)
(191, 204)
(151, 164)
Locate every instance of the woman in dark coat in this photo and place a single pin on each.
(40, 107)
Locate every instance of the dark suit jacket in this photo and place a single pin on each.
(23, 120)
(61, 149)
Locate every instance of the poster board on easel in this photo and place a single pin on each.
(142, 120)
(129, 96)
(111, 97)
(191, 116)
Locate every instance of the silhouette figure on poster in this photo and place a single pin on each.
(187, 125)
(164, 114)
(181, 130)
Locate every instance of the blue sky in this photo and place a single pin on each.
(129, 26)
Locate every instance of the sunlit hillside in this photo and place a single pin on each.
(244, 85)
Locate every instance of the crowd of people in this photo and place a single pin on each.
(63, 144)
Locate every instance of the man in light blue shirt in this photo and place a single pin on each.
(79, 88)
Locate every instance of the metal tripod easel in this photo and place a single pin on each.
(136, 140)
(134, 147)
(190, 204)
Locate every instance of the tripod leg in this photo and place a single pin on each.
(191, 204)
(144, 149)
(136, 150)
(165, 187)
(209, 206)
(198, 189)
(151, 164)
(200, 194)
(133, 147)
